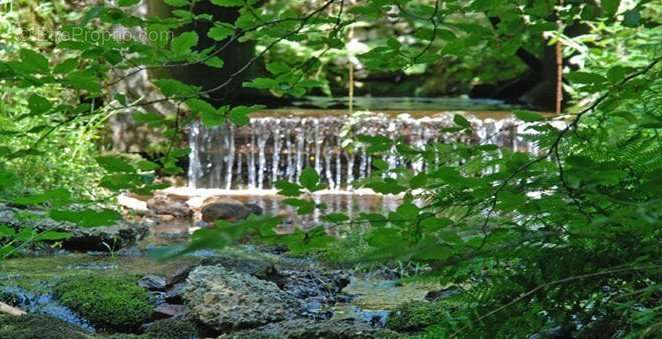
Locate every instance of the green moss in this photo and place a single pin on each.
(111, 303)
(172, 329)
(35, 326)
(415, 316)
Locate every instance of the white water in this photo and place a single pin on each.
(278, 148)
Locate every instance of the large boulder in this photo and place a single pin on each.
(305, 329)
(220, 208)
(116, 236)
(226, 301)
(170, 204)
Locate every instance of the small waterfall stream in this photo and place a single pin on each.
(279, 147)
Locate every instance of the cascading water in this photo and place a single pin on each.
(275, 148)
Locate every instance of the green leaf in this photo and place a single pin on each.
(215, 62)
(87, 217)
(610, 6)
(38, 104)
(586, 78)
(309, 179)
(6, 231)
(384, 238)
(121, 181)
(288, 189)
(177, 3)
(151, 118)
(528, 116)
(33, 60)
(83, 81)
(277, 68)
(145, 165)
(7, 179)
(631, 18)
(303, 206)
(53, 236)
(461, 121)
(228, 3)
(239, 114)
(617, 73)
(115, 164)
(127, 3)
(387, 186)
(175, 88)
(406, 211)
(66, 66)
(336, 217)
(184, 43)
(220, 32)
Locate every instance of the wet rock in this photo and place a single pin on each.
(217, 208)
(310, 283)
(442, 294)
(176, 294)
(170, 205)
(224, 300)
(164, 311)
(153, 282)
(179, 275)
(305, 329)
(254, 208)
(114, 237)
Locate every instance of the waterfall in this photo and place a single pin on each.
(272, 148)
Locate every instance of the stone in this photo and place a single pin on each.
(225, 301)
(117, 236)
(442, 294)
(11, 310)
(305, 329)
(179, 275)
(153, 282)
(164, 311)
(219, 208)
(169, 205)
(254, 208)
(176, 294)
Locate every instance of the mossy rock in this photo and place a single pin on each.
(37, 327)
(110, 303)
(172, 329)
(415, 316)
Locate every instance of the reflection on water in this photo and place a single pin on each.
(349, 203)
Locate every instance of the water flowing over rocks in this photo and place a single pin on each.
(225, 301)
(276, 147)
(117, 236)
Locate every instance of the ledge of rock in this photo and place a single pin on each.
(226, 301)
(304, 329)
(120, 235)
